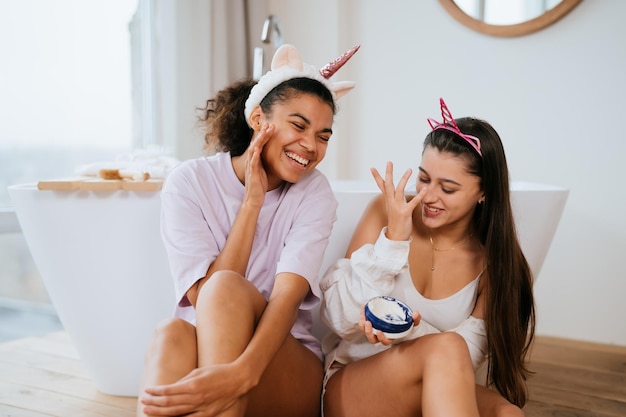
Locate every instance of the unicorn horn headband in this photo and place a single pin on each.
(333, 66)
(449, 123)
(287, 64)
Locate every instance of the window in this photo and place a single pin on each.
(66, 94)
(65, 86)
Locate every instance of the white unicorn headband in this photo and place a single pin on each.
(287, 64)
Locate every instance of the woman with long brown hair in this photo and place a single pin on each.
(450, 253)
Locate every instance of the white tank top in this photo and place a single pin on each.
(446, 313)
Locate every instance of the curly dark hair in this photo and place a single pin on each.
(226, 128)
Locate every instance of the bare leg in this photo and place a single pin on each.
(492, 404)
(430, 376)
(171, 355)
(226, 318)
(228, 310)
(291, 385)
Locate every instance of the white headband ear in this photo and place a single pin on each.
(287, 64)
(341, 88)
(287, 56)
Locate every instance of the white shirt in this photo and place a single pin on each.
(382, 269)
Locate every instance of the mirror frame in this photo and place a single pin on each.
(519, 29)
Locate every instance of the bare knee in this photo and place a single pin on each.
(223, 284)
(173, 330)
(171, 353)
(492, 404)
(229, 289)
(508, 410)
(171, 336)
(449, 347)
(502, 409)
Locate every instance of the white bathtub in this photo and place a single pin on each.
(102, 262)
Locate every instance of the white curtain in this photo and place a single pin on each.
(195, 48)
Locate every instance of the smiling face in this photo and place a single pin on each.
(303, 126)
(452, 192)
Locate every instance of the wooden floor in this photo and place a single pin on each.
(43, 376)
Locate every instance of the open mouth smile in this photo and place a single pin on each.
(432, 210)
(297, 158)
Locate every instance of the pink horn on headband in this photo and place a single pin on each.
(332, 67)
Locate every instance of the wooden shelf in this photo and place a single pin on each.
(97, 184)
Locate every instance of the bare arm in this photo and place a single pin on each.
(236, 252)
(275, 324)
(373, 219)
(374, 258)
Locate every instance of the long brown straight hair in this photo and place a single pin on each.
(510, 308)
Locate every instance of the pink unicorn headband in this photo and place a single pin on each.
(449, 123)
(287, 64)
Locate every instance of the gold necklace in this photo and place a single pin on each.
(436, 249)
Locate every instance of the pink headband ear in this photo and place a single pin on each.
(450, 124)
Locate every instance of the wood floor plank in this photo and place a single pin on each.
(577, 381)
(61, 383)
(43, 360)
(44, 376)
(581, 345)
(7, 410)
(43, 345)
(580, 355)
(555, 397)
(44, 401)
(544, 410)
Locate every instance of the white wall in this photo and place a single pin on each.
(556, 97)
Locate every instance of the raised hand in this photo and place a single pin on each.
(399, 210)
(256, 183)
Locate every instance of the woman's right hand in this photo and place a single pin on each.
(374, 336)
(206, 391)
(399, 210)
(256, 178)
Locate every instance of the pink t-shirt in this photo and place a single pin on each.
(200, 200)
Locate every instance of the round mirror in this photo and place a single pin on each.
(509, 18)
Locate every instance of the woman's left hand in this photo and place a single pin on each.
(206, 391)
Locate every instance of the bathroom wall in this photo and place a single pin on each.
(555, 96)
